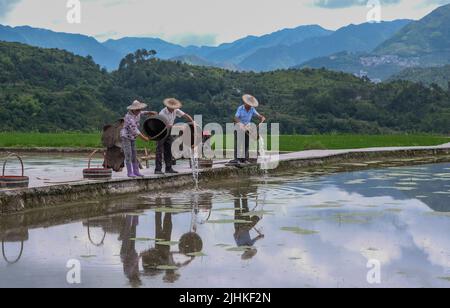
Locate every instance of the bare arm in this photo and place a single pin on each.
(188, 118)
(143, 137)
(262, 118)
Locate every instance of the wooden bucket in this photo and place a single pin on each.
(96, 173)
(10, 181)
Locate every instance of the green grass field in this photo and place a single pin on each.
(287, 143)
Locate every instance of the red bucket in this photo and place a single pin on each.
(96, 173)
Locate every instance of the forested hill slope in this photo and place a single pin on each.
(427, 75)
(50, 90)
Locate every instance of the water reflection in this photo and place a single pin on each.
(19, 236)
(128, 253)
(242, 231)
(292, 230)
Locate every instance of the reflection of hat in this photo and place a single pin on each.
(137, 105)
(248, 254)
(250, 100)
(172, 103)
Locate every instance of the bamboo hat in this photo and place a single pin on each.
(172, 103)
(137, 105)
(250, 100)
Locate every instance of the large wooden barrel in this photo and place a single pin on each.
(12, 181)
(96, 173)
(156, 129)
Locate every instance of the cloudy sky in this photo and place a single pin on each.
(201, 22)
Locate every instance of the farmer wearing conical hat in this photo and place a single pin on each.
(171, 112)
(129, 133)
(243, 118)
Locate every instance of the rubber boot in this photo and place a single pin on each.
(171, 171)
(130, 171)
(136, 170)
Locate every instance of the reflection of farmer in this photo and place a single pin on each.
(164, 147)
(162, 255)
(242, 234)
(243, 118)
(128, 254)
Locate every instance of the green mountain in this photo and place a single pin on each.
(423, 43)
(50, 90)
(53, 90)
(353, 38)
(428, 38)
(429, 76)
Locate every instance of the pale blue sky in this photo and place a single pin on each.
(200, 22)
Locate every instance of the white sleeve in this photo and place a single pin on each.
(180, 113)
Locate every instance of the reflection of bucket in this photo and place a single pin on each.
(156, 128)
(9, 181)
(15, 236)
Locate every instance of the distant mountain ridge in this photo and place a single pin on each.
(78, 44)
(243, 54)
(353, 38)
(429, 35)
(423, 43)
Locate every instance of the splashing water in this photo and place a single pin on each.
(264, 159)
(195, 167)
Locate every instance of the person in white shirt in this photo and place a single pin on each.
(164, 147)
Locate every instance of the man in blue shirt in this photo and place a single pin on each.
(243, 118)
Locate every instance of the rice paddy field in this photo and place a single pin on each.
(288, 143)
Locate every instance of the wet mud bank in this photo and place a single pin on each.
(20, 200)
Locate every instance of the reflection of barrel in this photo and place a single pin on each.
(190, 243)
(96, 173)
(10, 181)
(156, 128)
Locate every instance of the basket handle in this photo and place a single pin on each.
(18, 257)
(10, 155)
(92, 155)
(160, 134)
(90, 238)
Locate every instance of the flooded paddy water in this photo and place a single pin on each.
(292, 229)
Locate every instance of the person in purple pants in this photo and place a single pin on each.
(129, 133)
